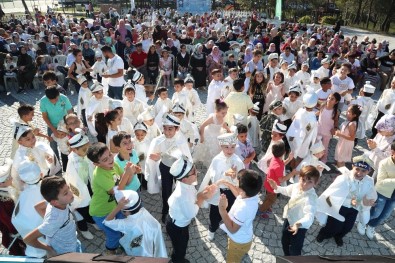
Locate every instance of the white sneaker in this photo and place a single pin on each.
(211, 236)
(87, 234)
(370, 232)
(361, 229)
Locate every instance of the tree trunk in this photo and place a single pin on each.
(370, 11)
(25, 6)
(385, 26)
(357, 18)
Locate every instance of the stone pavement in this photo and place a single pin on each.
(267, 232)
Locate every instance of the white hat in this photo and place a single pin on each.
(29, 172)
(369, 88)
(96, 86)
(237, 118)
(147, 114)
(255, 108)
(279, 128)
(310, 99)
(114, 104)
(5, 170)
(137, 76)
(292, 65)
(129, 84)
(78, 140)
(178, 107)
(295, 88)
(133, 197)
(283, 62)
(273, 56)
(20, 129)
(180, 168)
(189, 79)
(227, 139)
(170, 120)
(98, 54)
(81, 79)
(325, 60)
(94, 42)
(317, 147)
(140, 126)
(62, 127)
(275, 104)
(314, 74)
(305, 63)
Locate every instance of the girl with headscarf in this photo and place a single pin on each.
(214, 61)
(198, 65)
(271, 49)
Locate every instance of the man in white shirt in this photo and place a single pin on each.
(114, 73)
(287, 56)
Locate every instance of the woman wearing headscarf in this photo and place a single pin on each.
(183, 59)
(26, 70)
(271, 49)
(214, 61)
(152, 64)
(370, 68)
(122, 32)
(248, 55)
(198, 65)
(88, 53)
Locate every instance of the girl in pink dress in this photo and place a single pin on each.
(346, 134)
(275, 90)
(328, 121)
(166, 67)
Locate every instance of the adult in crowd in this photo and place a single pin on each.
(78, 67)
(114, 74)
(26, 70)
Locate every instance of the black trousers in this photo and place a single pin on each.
(335, 228)
(84, 118)
(167, 186)
(292, 244)
(374, 130)
(179, 237)
(65, 160)
(215, 217)
(84, 212)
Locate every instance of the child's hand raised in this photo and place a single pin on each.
(231, 172)
(209, 191)
(122, 202)
(155, 156)
(294, 229)
(273, 184)
(223, 202)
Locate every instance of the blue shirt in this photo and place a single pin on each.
(134, 158)
(56, 111)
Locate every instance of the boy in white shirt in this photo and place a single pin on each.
(132, 106)
(181, 97)
(192, 94)
(98, 103)
(304, 76)
(163, 103)
(188, 129)
(214, 90)
(99, 67)
(342, 84)
(324, 92)
(84, 96)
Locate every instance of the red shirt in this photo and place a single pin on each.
(274, 172)
(138, 59)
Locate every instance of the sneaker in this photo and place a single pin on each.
(265, 215)
(339, 241)
(370, 232)
(319, 238)
(87, 235)
(211, 236)
(361, 229)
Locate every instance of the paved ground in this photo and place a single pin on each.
(267, 233)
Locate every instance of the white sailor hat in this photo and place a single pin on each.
(310, 99)
(81, 79)
(369, 88)
(137, 76)
(178, 107)
(98, 54)
(180, 168)
(62, 127)
(129, 84)
(114, 104)
(305, 63)
(255, 108)
(227, 139)
(78, 140)
(363, 161)
(317, 147)
(314, 74)
(325, 60)
(237, 118)
(283, 62)
(272, 56)
(96, 86)
(189, 79)
(147, 114)
(279, 128)
(170, 120)
(295, 88)
(29, 172)
(275, 104)
(5, 170)
(292, 65)
(133, 197)
(20, 129)
(140, 126)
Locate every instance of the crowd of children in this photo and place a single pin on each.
(135, 147)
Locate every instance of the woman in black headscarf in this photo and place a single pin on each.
(26, 70)
(198, 65)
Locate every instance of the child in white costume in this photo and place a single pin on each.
(142, 233)
(62, 142)
(366, 104)
(99, 67)
(323, 71)
(187, 128)
(181, 97)
(292, 103)
(125, 125)
(132, 107)
(214, 90)
(141, 145)
(253, 127)
(192, 94)
(148, 116)
(303, 76)
(84, 96)
(78, 176)
(303, 131)
(290, 78)
(25, 217)
(225, 165)
(163, 104)
(98, 103)
(137, 82)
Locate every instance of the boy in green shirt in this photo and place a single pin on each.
(106, 176)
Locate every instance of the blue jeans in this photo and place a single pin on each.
(382, 210)
(112, 237)
(53, 144)
(115, 92)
